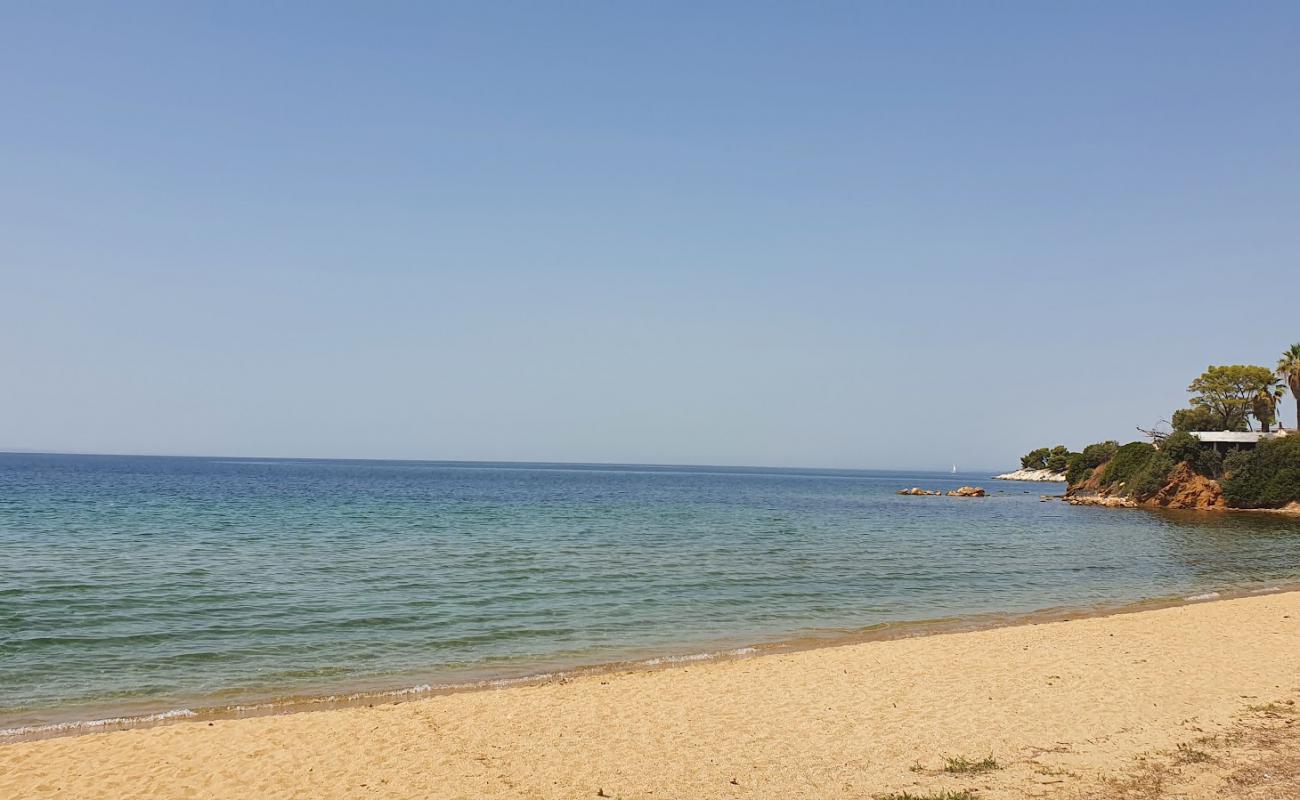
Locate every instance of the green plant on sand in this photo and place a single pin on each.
(964, 765)
(945, 794)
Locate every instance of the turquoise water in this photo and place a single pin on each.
(138, 585)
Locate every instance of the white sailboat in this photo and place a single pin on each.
(954, 469)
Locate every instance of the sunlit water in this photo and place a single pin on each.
(132, 584)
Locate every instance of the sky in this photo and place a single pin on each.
(877, 235)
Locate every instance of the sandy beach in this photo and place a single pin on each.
(1179, 698)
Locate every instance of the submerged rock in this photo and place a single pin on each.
(915, 491)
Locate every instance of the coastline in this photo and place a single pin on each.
(1032, 475)
(865, 713)
(1120, 501)
(114, 719)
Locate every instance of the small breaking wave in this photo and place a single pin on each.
(331, 699)
(661, 660)
(92, 724)
(1207, 596)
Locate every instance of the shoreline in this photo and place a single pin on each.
(1083, 705)
(122, 719)
(1118, 501)
(1032, 475)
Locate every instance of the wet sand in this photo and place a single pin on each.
(1064, 709)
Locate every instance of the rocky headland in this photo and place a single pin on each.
(1181, 485)
(1183, 489)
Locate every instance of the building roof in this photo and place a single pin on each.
(1250, 437)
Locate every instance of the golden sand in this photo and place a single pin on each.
(1063, 708)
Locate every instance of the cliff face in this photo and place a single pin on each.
(1184, 489)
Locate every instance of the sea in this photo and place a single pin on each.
(135, 589)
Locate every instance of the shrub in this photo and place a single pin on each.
(1235, 460)
(1181, 446)
(1209, 463)
(1151, 478)
(1203, 459)
(1129, 460)
(1077, 470)
(1094, 455)
(1267, 477)
(1079, 466)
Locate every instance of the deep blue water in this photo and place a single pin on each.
(141, 584)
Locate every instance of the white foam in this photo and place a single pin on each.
(1206, 596)
(335, 698)
(424, 688)
(654, 662)
(1266, 591)
(686, 659)
(90, 724)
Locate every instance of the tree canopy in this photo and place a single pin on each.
(1035, 459)
(1054, 458)
(1198, 418)
(1227, 396)
(1288, 369)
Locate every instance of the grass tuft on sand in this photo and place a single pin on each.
(961, 765)
(961, 794)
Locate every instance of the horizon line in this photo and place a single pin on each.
(661, 465)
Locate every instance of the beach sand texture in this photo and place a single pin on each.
(1062, 707)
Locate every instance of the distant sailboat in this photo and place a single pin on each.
(954, 469)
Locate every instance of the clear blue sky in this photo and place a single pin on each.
(876, 235)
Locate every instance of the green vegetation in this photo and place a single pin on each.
(1057, 459)
(1129, 460)
(1081, 465)
(1225, 397)
(1035, 459)
(963, 765)
(1266, 477)
(1288, 369)
(1209, 462)
(1077, 471)
(1094, 455)
(1137, 469)
(1198, 418)
(1235, 461)
(1151, 478)
(1181, 446)
(1236, 398)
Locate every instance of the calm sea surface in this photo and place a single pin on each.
(137, 585)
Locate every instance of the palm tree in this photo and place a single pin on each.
(1288, 369)
(1264, 404)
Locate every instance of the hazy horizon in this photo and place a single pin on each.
(20, 451)
(849, 236)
